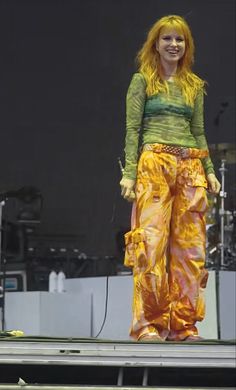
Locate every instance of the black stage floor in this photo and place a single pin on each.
(64, 363)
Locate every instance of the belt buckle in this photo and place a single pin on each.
(184, 153)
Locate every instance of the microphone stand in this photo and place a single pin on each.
(223, 195)
(221, 263)
(221, 246)
(2, 268)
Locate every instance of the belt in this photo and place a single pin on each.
(178, 151)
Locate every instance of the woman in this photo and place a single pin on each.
(166, 244)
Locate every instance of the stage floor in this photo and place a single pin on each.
(117, 363)
(117, 353)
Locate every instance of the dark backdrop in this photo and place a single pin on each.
(65, 67)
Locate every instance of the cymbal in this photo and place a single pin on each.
(224, 151)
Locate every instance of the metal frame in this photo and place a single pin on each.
(121, 354)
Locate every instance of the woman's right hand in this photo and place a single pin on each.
(127, 189)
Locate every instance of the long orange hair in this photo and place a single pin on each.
(149, 63)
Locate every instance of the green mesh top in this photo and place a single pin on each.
(162, 118)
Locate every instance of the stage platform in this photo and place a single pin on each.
(95, 364)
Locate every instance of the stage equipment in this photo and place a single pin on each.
(30, 205)
(221, 229)
(63, 252)
(84, 363)
(15, 280)
(221, 254)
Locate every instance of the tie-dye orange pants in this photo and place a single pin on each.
(166, 246)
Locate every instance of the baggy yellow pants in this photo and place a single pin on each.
(166, 246)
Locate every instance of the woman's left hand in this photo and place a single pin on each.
(213, 184)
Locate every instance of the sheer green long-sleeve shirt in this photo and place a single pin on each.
(162, 118)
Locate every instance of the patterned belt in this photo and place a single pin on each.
(178, 151)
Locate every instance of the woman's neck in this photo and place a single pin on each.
(168, 70)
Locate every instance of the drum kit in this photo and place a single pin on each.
(220, 222)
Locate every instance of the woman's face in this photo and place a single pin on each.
(170, 45)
